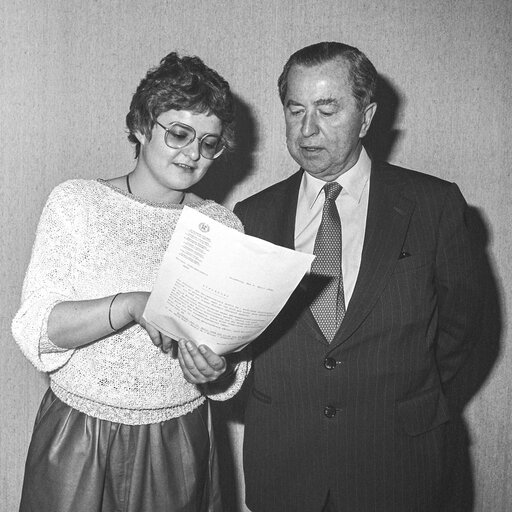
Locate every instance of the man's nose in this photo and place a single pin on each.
(309, 125)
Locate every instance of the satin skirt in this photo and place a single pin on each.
(77, 463)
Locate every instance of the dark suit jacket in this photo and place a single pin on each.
(363, 418)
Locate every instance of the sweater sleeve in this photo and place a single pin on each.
(227, 388)
(48, 279)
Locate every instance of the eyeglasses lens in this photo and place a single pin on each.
(211, 147)
(178, 136)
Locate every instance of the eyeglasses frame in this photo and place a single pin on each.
(174, 123)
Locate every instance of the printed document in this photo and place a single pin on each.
(219, 287)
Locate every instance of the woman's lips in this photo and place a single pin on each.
(184, 166)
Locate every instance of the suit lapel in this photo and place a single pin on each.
(281, 212)
(387, 221)
(388, 217)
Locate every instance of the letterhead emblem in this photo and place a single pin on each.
(204, 227)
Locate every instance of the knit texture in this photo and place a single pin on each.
(95, 240)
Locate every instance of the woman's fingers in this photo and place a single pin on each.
(154, 334)
(218, 363)
(199, 365)
(166, 343)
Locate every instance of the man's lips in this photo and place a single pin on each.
(311, 149)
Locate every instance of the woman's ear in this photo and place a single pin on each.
(140, 137)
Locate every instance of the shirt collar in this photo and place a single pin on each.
(353, 181)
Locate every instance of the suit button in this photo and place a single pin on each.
(330, 363)
(330, 411)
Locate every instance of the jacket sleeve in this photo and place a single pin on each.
(457, 285)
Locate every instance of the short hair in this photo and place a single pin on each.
(362, 73)
(180, 83)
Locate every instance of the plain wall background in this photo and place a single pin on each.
(68, 70)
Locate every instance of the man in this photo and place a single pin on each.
(347, 411)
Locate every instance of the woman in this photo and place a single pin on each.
(123, 426)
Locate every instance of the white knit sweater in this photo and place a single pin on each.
(95, 240)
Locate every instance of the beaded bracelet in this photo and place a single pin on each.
(110, 313)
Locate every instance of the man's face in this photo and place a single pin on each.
(324, 124)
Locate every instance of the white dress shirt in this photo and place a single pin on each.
(352, 204)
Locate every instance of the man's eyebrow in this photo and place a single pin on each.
(318, 103)
(326, 101)
(294, 103)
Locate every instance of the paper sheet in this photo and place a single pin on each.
(219, 287)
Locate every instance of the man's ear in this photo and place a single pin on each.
(368, 114)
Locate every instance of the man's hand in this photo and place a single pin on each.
(200, 364)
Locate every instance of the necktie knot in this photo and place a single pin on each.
(332, 190)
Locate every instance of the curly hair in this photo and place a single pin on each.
(180, 83)
(362, 73)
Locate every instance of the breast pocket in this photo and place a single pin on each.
(413, 262)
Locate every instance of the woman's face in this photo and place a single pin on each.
(170, 169)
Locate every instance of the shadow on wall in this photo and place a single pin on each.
(470, 379)
(459, 481)
(383, 135)
(460, 492)
(232, 168)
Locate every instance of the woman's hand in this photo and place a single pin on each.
(200, 364)
(72, 324)
(133, 305)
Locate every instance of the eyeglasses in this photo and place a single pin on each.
(179, 135)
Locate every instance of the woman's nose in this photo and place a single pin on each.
(192, 150)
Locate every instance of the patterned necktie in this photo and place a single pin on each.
(328, 306)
